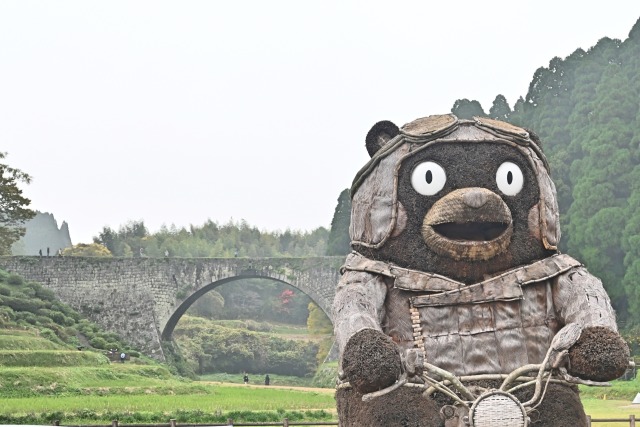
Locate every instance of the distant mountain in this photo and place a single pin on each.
(42, 233)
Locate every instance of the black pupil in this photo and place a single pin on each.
(509, 178)
(429, 177)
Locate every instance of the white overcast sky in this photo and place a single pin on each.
(183, 111)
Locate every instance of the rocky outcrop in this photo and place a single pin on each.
(42, 234)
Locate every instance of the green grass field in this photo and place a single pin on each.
(207, 403)
(211, 399)
(603, 409)
(101, 404)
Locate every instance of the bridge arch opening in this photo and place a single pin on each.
(171, 324)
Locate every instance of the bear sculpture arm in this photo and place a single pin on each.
(599, 354)
(369, 359)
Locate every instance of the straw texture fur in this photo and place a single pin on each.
(469, 274)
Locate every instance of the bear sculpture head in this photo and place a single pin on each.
(461, 198)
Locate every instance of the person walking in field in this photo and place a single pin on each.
(246, 379)
(267, 380)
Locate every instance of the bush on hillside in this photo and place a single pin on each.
(7, 314)
(15, 280)
(50, 335)
(252, 325)
(32, 306)
(42, 292)
(25, 318)
(99, 342)
(57, 317)
(177, 363)
(208, 347)
(25, 304)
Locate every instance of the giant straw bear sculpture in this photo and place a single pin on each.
(454, 230)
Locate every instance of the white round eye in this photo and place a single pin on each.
(509, 179)
(428, 178)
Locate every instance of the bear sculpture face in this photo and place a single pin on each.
(466, 209)
(462, 198)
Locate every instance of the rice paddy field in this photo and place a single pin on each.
(138, 394)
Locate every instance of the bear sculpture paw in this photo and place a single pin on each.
(371, 361)
(600, 354)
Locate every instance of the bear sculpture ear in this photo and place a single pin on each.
(379, 135)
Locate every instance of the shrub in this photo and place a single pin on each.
(326, 375)
(87, 328)
(236, 350)
(15, 280)
(110, 336)
(44, 320)
(25, 317)
(44, 293)
(6, 313)
(50, 335)
(66, 310)
(23, 304)
(87, 414)
(252, 325)
(99, 342)
(27, 291)
(52, 416)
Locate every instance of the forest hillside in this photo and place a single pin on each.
(586, 110)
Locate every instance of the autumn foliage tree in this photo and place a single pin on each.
(286, 298)
(87, 250)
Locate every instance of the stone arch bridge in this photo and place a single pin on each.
(142, 299)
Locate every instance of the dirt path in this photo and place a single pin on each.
(285, 387)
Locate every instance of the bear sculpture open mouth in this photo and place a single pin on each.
(473, 231)
(468, 224)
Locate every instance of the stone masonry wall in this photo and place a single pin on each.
(137, 297)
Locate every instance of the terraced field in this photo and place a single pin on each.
(41, 382)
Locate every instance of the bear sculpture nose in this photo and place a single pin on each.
(475, 198)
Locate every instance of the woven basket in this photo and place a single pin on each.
(497, 409)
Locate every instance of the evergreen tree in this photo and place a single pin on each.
(212, 240)
(585, 109)
(465, 109)
(500, 109)
(339, 240)
(108, 238)
(14, 209)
